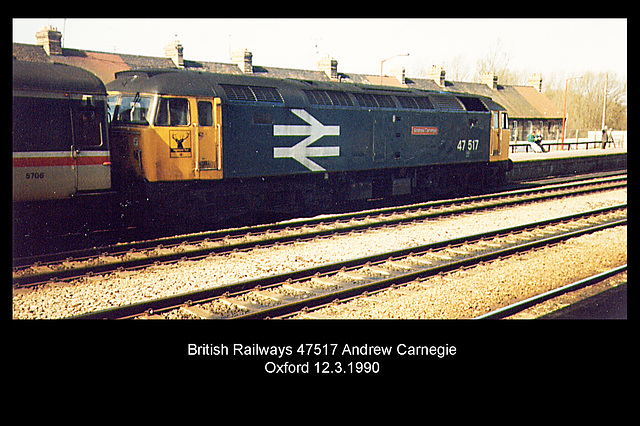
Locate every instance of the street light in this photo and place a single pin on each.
(382, 62)
(564, 114)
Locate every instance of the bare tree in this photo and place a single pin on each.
(458, 69)
(585, 98)
(497, 60)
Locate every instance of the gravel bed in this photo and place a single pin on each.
(59, 300)
(484, 288)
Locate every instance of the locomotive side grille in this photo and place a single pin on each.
(374, 101)
(236, 92)
(266, 94)
(365, 100)
(339, 98)
(318, 97)
(384, 101)
(415, 102)
(328, 97)
(408, 102)
(424, 103)
(447, 103)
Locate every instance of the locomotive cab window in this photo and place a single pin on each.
(132, 109)
(495, 116)
(172, 112)
(205, 113)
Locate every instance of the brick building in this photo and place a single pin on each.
(528, 108)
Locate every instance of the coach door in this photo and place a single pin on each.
(90, 148)
(208, 135)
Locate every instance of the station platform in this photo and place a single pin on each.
(536, 165)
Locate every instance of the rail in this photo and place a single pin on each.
(527, 303)
(122, 256)
(365, 274)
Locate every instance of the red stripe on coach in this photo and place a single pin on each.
(59, 161)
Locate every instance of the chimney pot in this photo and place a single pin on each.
(243, 58)
(174, 50)
(329, 66)
(535, 81)
(50, 39)
(437, 74)
(399, 73)
(490, 79)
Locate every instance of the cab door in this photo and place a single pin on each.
(500, 136)
(495, 133)
(208, 135)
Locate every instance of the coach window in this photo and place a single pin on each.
(205, 113)
(88, 124)
(41, 124)
(173, 112)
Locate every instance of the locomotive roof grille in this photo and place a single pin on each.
(237, 92)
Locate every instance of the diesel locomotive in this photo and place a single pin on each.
(203, 148)
(189, 149)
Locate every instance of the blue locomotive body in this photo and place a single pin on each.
(206, 147)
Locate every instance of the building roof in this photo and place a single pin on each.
(521, 102)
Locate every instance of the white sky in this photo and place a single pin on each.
(570, 46)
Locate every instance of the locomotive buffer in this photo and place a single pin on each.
(301, 151)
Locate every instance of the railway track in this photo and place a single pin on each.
(284, 295)
(520, 306)
(70, 265)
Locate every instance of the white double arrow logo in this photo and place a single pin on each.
(301, 151)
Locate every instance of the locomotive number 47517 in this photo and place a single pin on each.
(469, 145)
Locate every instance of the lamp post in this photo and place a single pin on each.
(564, 114)
(383, 61)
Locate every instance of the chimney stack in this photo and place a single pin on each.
(535, 81)
(437, 73)
(50, 39)
(490, 79)
(329, 66)
(174, 50)
(399, 74)
(243, 58)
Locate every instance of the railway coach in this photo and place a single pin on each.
(200, 147)
(61, 155)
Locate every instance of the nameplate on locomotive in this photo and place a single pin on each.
(422, 130)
